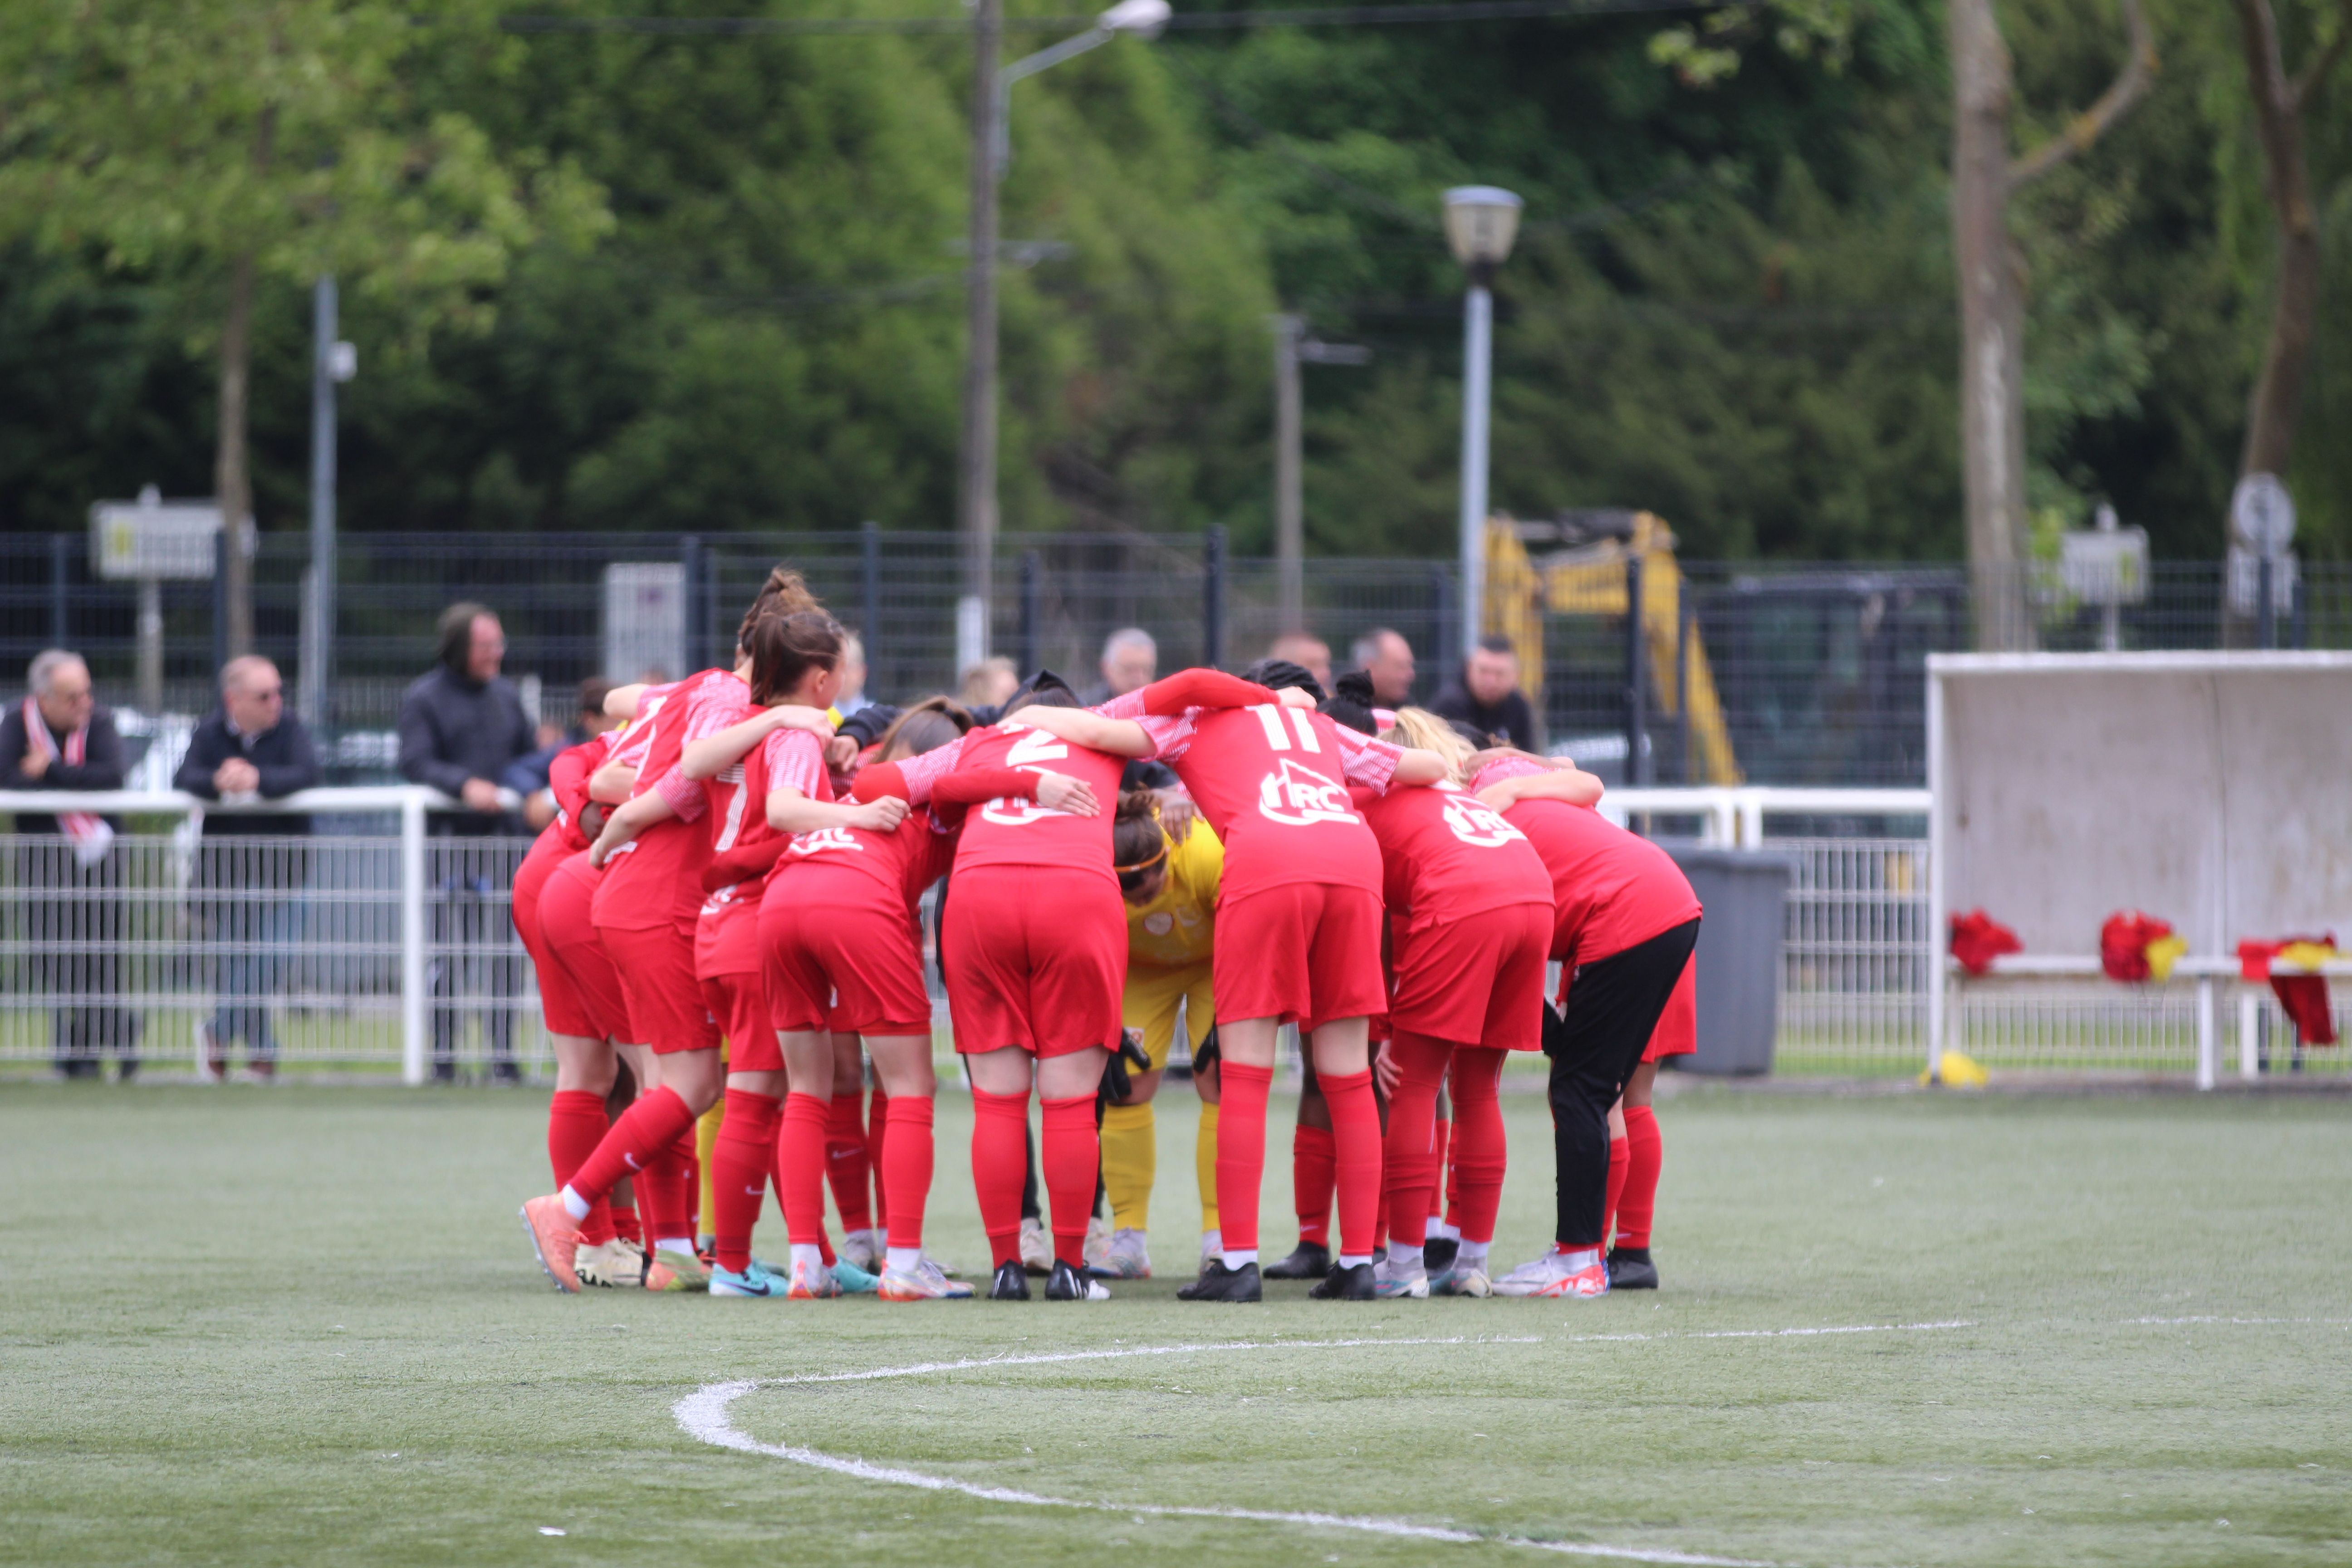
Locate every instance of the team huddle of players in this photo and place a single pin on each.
(726, 915)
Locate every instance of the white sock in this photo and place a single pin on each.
(1354, 1259)
(1236, 1259)
(807, 1252)
(1211, 1241)
(576, 1206)
(676, 1244)
(902, 1258)
(1583, 1258)
(1434, 1228)
(1473, 1254)
(1404, 1255)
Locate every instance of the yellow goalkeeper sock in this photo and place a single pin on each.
(1204, 1166)
(1130, 1154)
(706, 1138)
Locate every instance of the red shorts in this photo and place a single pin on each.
(844, 954)
(579, 992)
(1477, 981)
(1309, 953)
(1036, 957)
(529, 878)
(739, 1003)
(656, 964)
(1678, 1031)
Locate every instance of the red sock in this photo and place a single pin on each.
(1310, 1182)
(640, 1142)
(1240, 1150)
(1409, 1160)
(575, 1125)
(625, 1225)
(1618, 1158)
(845, 1162)
(1646, 1151)
(1480, 1148)
(1356, 1158)
(1072, 1157)
(740, 1163)
(669, 1205)
(776, 1176)
(877, 1123)
(999, 1164)
(910, 1154)
(1439, 1144)
(800, 1164)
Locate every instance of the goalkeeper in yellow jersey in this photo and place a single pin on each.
(1169, 865)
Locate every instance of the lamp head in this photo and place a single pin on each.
(1481, 221)
(1144, 18)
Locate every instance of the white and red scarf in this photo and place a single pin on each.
(91, 833)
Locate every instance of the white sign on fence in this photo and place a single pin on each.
(152, 538)
(645, 620)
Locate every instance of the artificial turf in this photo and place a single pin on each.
(302, 1326)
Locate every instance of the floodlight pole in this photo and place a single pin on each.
(1478, 378)
(318, 641)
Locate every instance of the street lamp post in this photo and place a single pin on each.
(991, 153)
(1293, 348)
(1480, 223)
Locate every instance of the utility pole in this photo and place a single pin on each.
(332, 360)
(976, 462)
(1292, 348)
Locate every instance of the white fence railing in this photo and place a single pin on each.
(377, 943)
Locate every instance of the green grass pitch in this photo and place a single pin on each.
(303, 1327)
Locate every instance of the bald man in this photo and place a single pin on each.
(1308, 652)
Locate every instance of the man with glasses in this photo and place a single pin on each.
(251, 866)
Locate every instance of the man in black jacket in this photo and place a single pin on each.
(70, 872)
(460, 727)
(251, 865)
(1487, 697)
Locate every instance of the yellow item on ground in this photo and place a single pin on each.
(1961, 1072)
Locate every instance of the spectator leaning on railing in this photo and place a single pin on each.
(459, 728)
(251, 865)
(70, 869)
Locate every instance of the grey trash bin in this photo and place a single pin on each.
(1745, 892)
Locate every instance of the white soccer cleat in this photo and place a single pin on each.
(1097, 1240)
(923, 1282)
(1465, 1279)
(1124, 1256)
(863, 1247)
(1390, 1283)
(1551, 1276)
(614, 1265)
(1036, 1246)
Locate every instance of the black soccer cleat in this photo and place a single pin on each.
(1346, 1283)
(1012, 1283)
(1437, 1254)
(1308, 1260)
(1219, 1283)
(1629, 1268)
(1067, 1284)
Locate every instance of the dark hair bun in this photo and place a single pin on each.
(1356, 686)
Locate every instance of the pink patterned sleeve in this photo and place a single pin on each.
(1496, 772)
(1169, 736)
(685, 795)
(1366, 761)
(795, 760)
(921, 773)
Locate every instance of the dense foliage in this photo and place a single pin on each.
(1731, 302)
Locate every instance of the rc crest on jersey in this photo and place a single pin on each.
(1300, 796)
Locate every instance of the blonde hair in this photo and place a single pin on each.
(1424, 730)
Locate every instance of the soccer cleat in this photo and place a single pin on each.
(614, 1265)
(554, 1238)
(1213, 1247)
(813, 1281)
(1066, 1284)
(1388, 1283)
(923, 1282)
(854, 1281)
(1219, 1283)
(1350, 1283)
(1437, 1256)
(1012, 1282)
(1551, 1276)
(1308, 1260)
(753, 1281)
(1124, 1257)
(1097, 1242)
(1629, 1268)
(683, 1271)
(1036, 1246)
(1464, 1280)
(863, 1248)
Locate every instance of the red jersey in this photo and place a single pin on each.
(1273, 783)
(726, 929)
(1445, 855)
(902, 864)
(1611, 888)
(567, 780)
(1011, 831)
(656, 879)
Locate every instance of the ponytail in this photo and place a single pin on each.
(784, 648)
(925, 727)
(785, 593)
(1137, 846)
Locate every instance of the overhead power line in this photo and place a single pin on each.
(1194, 21)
